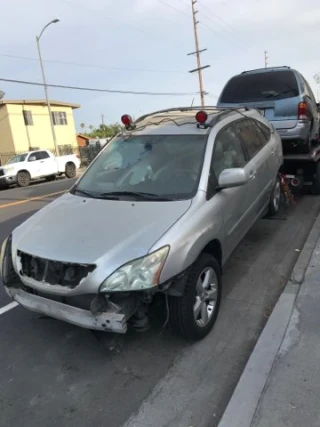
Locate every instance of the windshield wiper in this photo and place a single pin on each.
(91, 195)
(141, 195)
(274, 95)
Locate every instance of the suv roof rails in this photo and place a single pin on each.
(196, 108)
(269, 68)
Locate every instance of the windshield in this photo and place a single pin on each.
(158, 166)
(17, 159)
(261, 86)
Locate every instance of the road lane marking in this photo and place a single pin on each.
(21, 202)
(8, 307)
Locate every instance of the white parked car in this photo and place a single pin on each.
(24, 168)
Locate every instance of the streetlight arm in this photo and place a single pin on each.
(54, 21)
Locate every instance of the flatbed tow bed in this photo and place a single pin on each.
(302, 171)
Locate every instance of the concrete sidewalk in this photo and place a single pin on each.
(280, 385)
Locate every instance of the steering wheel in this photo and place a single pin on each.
(175, 173)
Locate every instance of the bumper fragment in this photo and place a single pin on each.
(113, 322)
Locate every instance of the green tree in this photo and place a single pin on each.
(104, 131)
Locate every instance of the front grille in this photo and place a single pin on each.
(53, 272)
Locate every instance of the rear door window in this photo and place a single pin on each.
(251, 135)
(265, 130)
(272, 85)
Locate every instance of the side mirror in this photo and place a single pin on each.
(32, 158)
(230, 178)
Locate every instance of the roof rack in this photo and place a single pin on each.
(267, 69)
(196, 108)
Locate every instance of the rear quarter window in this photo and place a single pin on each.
(271, 85)
(251, 135)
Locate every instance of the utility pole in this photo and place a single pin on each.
(316, 78)
(266, 57)
(102, 119)
(197, 52)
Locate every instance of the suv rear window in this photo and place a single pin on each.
(261, 86)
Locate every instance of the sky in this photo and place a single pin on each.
(142, 45)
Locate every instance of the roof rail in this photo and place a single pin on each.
(269, 68)
(196, 108)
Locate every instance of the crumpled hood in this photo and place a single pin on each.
(82, 230)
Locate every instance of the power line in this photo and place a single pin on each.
(53, 61)
(218, 17)
(109, 18)
(128, 92)
(208, 27)
(174, 8)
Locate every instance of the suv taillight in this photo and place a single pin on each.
(303, 111)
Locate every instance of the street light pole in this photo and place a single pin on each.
(54, 21)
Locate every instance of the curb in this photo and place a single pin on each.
(247, 394)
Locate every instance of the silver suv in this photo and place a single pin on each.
(159, 211)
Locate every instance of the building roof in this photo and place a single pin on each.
(38, 102)
(83, 136)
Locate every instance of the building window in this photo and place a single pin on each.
(59, 118)
(27, 117)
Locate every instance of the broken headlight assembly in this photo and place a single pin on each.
(5, 258)
(138, 275)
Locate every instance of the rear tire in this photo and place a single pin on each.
(23, 179)
(71, 170)
(275, 199)
(193, 315)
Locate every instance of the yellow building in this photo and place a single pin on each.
(25, 125)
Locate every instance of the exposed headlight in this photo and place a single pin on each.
(140, 274)
(4, 251)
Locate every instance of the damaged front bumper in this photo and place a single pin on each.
(113, 322)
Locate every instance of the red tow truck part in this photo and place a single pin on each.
(302, 171)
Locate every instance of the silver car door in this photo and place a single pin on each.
(228, 153)
(259, 154)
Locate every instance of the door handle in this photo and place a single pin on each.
(252, 175)
(42, 161)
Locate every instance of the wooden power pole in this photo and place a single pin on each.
(266, 59)
(197, 52)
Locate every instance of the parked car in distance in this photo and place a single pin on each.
(24, 168)
(284, 97)
(159, 211)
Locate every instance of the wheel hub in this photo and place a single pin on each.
(206, 297)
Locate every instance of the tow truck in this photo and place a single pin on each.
(302, 171)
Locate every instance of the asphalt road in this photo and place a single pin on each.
(54, 374)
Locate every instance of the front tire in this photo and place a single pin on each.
(193, 315)
(23, 179)
(275, 199)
